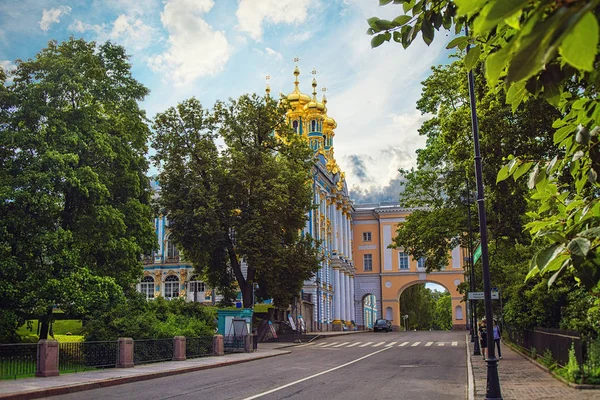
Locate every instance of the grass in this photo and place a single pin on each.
(60, 328)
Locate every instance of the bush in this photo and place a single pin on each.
(159, 318)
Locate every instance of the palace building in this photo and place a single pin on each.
(328, 296)
(382, 273)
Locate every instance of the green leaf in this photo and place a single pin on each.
(371, 31)
(558, 273)
(401, 20)
(591, 233)
(469, 6)
(373, 23)
(427, 32)
(498, 11)
(502, 174)
(495, 63)
(457, 41)
(377, 40)
(384, 2)
(579, 246)
(514, 20)
(407, 6)
(516, 94)
(580, 46)
(397, 37)
(384, 24)
(523, 168)
(472, 57)
(545, 256)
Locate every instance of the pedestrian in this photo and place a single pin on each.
(497, 336)
(483, 337)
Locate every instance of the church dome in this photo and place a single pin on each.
(314, 104)
(297, 95)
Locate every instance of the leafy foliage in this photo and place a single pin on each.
(426, 309)
(246, 202)
(74, 196)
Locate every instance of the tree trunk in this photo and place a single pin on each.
(247, 296)
(45, 328)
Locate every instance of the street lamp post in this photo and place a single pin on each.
(476, 349)
(493, 383)
(405, 317)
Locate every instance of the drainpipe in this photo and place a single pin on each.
(380, 265)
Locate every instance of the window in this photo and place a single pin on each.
(172, 252)
(421, 263)
(368, 262)
(295, 126)
(147, 287)
(196, 285)
(366, 236)
(403, 261)
(313, 125)
(171, 286)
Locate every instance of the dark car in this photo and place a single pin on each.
(382, 325)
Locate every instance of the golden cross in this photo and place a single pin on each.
(314, 71)
(296, 59)
(323, 89)
(268, 77)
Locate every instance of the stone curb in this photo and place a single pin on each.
(470, 373)
(578, 386)
(61, 390)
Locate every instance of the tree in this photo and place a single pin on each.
(243, 206)
(543, 49)
(416, 301)
(74, 195)
(443, 311)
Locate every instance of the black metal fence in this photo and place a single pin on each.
(557, 341)
(82, 356)
(18, 360)
(199, 346)
(233, 344)
(152, 350)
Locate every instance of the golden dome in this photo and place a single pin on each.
(296, 95)
(314, 103)
(328, 121)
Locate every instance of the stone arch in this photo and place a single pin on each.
(368, 310)
(456, 300)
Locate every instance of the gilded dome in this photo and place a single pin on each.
(314, 104)
(297, 95)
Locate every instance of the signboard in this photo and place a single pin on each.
(272, 329)
(479, 295)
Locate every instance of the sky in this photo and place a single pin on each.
(217, 49)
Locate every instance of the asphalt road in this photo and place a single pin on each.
(412, 365)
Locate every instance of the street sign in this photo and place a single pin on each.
(479, 295)
(476, 254)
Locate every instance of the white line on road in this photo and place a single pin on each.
(256, 396)
(454, 343)
(415, 344)
(428, 344)
(366, 344)
(330, 344)
(391, 344)
(403, 344)
(440, 344)
(341, 344)
(353, 344)
(378, 344)
(321, 344)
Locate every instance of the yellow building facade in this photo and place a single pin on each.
(382, 273)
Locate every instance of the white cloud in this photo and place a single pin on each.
(272, 53)
(52, 16)
(8, 67)
(195, 48)
(128, 31)
(296, 38)
(251, 14)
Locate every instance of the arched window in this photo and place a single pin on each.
(459, 312)
(313, 125)
(295, 125)
(388, 313)
(147, 287)
(172, 252)
(171, 286)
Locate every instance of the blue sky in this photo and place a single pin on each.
(224, 48)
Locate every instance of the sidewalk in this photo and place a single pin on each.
(33, 388)
(520, 379)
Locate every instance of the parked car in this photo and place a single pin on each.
(382, 325)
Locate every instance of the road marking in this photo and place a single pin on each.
(366, 344)
(391, 344)
(441, 344)
(428, 344)
(454, 343)
(256, 396)
(330, 344)
(321, 344)
(341, 344)
(304, 345)
(403, 344)
(415, 344)
(378, 344)
(353, 344)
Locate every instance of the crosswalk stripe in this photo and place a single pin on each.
(440, 344)
(415, 344)
(341, 344)
(428, 344)
(454, 343)
(354, 344)
(366, 344)
(321, 344)
(390, 344)
(402, 344)
(378, 344)
(330, 344)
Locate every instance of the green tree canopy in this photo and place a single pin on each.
(75, 198)
(243, 206)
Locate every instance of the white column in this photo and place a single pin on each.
(337, 294)
(352, 301)
(348, 302)
(346, 237)
(343, 234)
(343, 295)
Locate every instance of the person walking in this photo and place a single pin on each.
(497, 336)
(483, 338)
